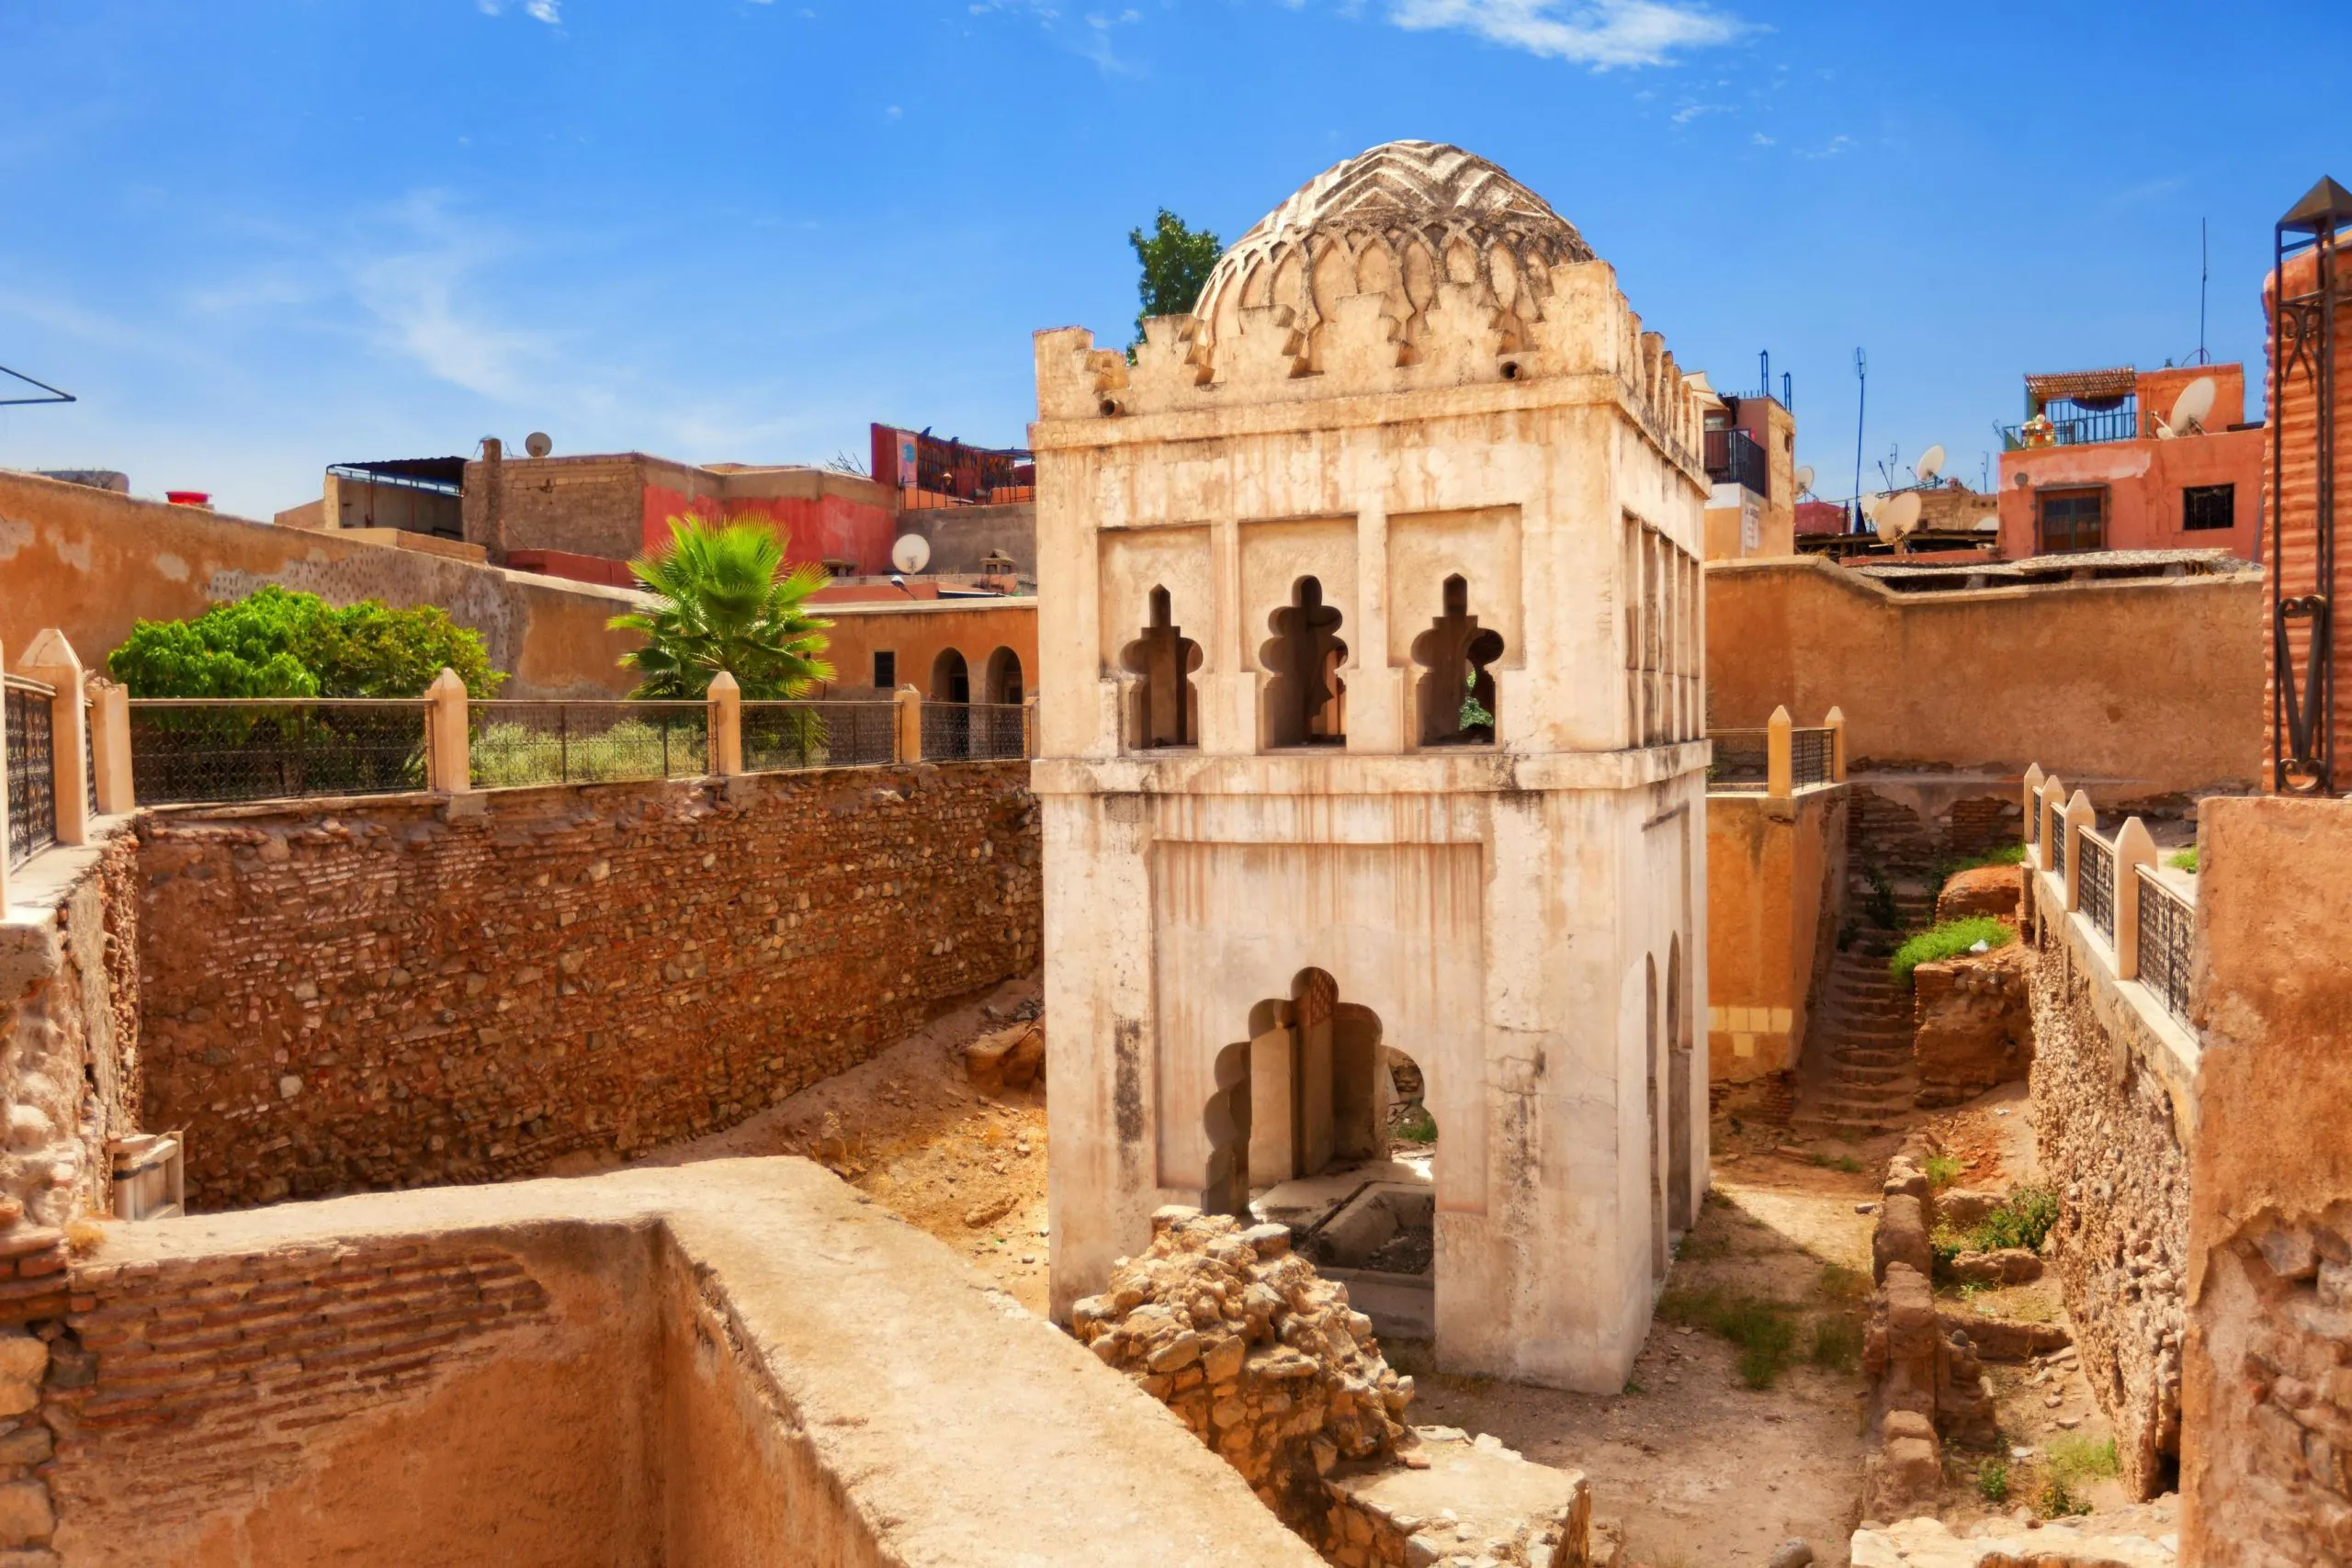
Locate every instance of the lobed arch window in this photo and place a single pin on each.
(1306, 699)
(1164, 710)
(1457, 699)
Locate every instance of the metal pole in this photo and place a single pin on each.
(1862, 406)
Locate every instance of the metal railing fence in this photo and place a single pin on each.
(2095, 884)
(2167, 923)
(1733, 457)
(1742, 761)
(2058, 843)
(973, 731)
(1809, 758)
(511, 744)
(225, 749)
(31, 765)
(787, 736)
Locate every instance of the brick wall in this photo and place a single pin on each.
(340, 997)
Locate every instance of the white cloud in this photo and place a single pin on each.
(1599, 33)
(418, 285)
(548, 11)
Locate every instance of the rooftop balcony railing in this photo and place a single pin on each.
(1779, 758)
(2075, 427)
(2141, 922)
(1734, 457)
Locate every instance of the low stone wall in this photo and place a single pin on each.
(343, 995)
(1776, 896)
(70, 1072)
(1971, 1023)
(2114, 1113)
(741, 1361)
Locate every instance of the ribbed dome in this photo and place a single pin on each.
(1394, 195)
(1396, 220)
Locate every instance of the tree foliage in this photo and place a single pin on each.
(1176, 263)
(278, 642)
(724, 601)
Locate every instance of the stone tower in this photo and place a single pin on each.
(1369, 611)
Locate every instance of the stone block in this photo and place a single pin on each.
(25, 1515)
(2006, 1266)
(1973, 1023)
(1981, 890)
(1901, 1237)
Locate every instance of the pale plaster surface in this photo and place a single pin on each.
(1523, 916)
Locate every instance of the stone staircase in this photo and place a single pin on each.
(1857, 1079)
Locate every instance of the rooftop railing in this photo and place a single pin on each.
(1733, 457)
(1779, 758)
(185, 749)
(31, 768)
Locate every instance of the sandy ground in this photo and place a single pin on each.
(907, 1128)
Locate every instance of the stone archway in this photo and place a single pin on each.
(1679, 1087)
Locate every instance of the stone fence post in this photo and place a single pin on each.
(51, 661)
(110, 748)
(449, 769)
(1030, 718)
(2053, 807)
(726, 724)
(1836, 722)
(1780, 755)
(2080, 819)
(909, 716)
(2033, 824)
(2134, 849)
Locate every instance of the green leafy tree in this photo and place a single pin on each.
(275, 642)
(723, 599)
(1176, 264)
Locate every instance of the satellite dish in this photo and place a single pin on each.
(537, 444)
(1930, 463)
(1804, 479)
(1873, 504)
(911, 553)
(2190, 409)
(1899, 518)
(1989, 523)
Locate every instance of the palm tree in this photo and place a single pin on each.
(724, 601)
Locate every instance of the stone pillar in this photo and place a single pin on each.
(2079, 820)
(2033, 812)
(725, 723)
(448, 768)
(1780, 755)
(110, 740)
(2134, 849)
(1030, 718)
(51, 659)
(1836, 725)
(909, 716)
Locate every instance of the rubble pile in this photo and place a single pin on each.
(1263, 1359)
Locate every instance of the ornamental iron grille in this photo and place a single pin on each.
(2303, 342)
(2058, 843)
(1808, 758)
(33, 773)
(2095, 885)
(2167, 930)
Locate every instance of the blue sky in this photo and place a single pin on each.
(256, 238)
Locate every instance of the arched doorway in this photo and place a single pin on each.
(947, 714)
(1679, 1089)
(1316, 1123)
(1003, 683)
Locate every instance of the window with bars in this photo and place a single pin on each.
(2208, 507)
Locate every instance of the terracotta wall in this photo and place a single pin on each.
(921, 633)
(352, 997)
(2151, 686)
(1776, 884)
(90, 562)
(2292, 500)
(2268, 1397)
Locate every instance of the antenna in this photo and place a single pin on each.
(1862, 406)
(2204, 275)
(1788, 393)
(1764, 371)
(56, 395)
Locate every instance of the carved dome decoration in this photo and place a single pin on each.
(1403, 221)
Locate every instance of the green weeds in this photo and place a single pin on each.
(1993, 1481)
(1949, 939)
(1942, 1170)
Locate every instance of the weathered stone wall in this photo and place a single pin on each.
(2113, 1115)
(2267, 1477)
(1971, 1023)
(340, 997)
(69, 1058)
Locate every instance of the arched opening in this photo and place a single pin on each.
(1657, 1153)
(1316, 1124)
(1162, 711)
(1306, 699)
(1004, 681)
(1456, 698)
(947, 714)
(1678, 1092)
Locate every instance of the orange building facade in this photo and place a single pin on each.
(2090, 471)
